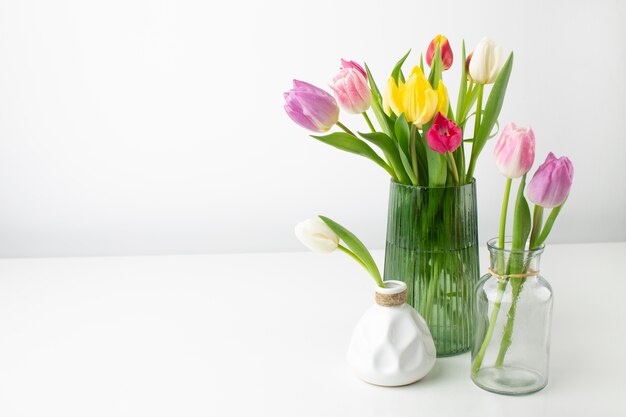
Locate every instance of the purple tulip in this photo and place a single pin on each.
(515, 151)
(311, 107)
(550, 185)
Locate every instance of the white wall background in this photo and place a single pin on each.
(149, 127)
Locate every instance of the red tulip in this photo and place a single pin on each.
(446, 51)
(444, 136)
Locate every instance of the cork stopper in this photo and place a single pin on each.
(393, 294)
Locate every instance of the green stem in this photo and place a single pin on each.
(502, 232)
(492, 324)
(345, 129)
(516, 266)
(537, 222)
(516, 288)
(501, 285)
(414, 151)
(369, 122)
(455, 172)
(360, 262)
(433, 282)
(479, 109)
(548, 226)
(477, 120)
(505, 206)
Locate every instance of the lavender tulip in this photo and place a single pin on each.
(311, 107)
(552, 182)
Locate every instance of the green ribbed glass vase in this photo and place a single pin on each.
(432, 246)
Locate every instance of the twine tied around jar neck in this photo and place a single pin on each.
(390, 300)
(530, 273)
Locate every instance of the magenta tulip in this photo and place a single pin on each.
(311, 107)
(552, 182)
(351, 90)
(515, 151)
(352, 64)
(444, 136)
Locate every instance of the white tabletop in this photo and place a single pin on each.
(266, 334)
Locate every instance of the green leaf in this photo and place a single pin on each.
(389, 148)
(397, 70)
(521, 219)
(383, 120)
(373, 86)
(407, 165)
(436, 69)
(462, 87)
(349, 143)
(403, 133)
(493, 107)
(470, 99)
(437, 164)
(356, 246)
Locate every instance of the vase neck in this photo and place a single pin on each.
(508, 261)
(392, 294)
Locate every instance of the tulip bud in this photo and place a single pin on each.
(415, 98)
(317, 236)
(486, 62)
(443, 101)
(351, 89)
(552, 182)
(444, 136)
(355, 65)
(515, 151)
(446, 51)
(467, 64)
(311, 107)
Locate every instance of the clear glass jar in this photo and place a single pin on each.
(432, 246)
(513, 309)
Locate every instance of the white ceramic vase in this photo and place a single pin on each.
(391, 345)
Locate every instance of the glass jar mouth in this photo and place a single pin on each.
(426, 187)
(494, 246)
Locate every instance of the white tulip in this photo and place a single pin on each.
(487, 62)
(317, 236)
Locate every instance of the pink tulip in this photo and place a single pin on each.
(515, 151)
(444, 136)
(552, 182)
(351, 88)
(311, 107)
(351, 64)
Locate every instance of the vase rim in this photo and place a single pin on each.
(493, 245)
(426, 187)
(392, 287)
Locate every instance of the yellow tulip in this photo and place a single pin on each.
(415, 98)
(391, 99)
(442, 99)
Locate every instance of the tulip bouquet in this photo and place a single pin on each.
(420, 135)
(548, 189)
(432, 241)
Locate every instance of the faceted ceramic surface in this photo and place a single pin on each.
(391, 346)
